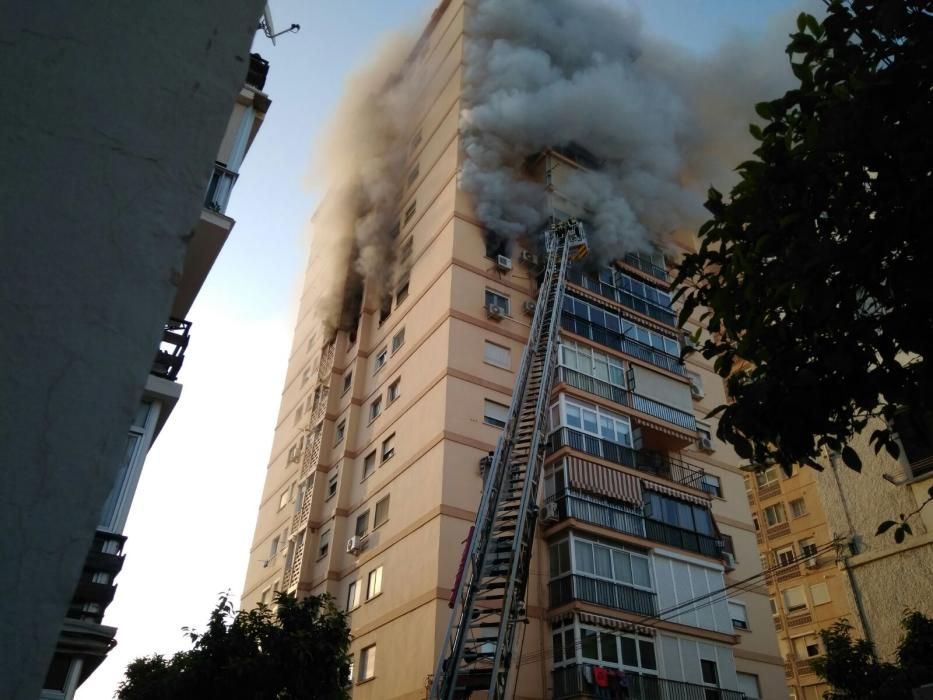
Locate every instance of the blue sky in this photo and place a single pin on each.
(192, 521)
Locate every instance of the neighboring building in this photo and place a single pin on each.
(84, 641)
(376, 464)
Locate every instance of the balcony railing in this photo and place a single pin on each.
(258, 70)
(626, 398)
(571, 682)
(625, 298)
(219, 188)
(664, 466)
(610, 594)
(95, 588)
(171, 352)
(620, 342)
(573, 504)
(646, 266)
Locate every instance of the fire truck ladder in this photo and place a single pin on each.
(489, 597)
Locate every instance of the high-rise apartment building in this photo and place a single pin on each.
(84, 640)
(645, 540)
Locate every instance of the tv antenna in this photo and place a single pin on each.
(268, 28)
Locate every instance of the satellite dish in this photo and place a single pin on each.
(268, 27)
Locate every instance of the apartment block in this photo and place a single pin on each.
(84, 640)
(386, 426)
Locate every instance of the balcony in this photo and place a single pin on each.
(664, 466)
(219, 188)
(570, 682)
(588, 509)
(623, 397)
(610, 594)
(171, 352)
(646, 266)
(258, 70)
(622, 343)
(95, 589)
(628, 299)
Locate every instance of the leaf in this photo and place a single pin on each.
(851, 459)
(763, 110)
(885, 526)
(801, 21)
(899, 535)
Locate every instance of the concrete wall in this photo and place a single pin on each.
(110, 127)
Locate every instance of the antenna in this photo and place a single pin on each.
(268, 28)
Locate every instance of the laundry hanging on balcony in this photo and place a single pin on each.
(603, 481)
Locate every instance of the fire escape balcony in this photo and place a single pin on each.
(571, 682)
(664, 466)
(171, 352)
(588, 589)
(618, 341)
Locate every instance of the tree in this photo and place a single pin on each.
(293, 650)
(813, 271)
(853, 671)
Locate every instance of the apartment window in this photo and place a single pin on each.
(394, 391)
(709, 671)
(367, 663)
(497, 245)
(807, 646)
(612, 563)
(264, 596)
(385, 310)
(353, 596)
(413, 174)
(915, 431)
(696, 384)
(347, 381)
(381, 358)
(591, 419)
(305, 375)
(497, 355)
(362, 524)
(274, 547)
(340, 432)
(495, 413)
(673, 511)
(369, 465)
(324, 544)
(756, 524)
(819, 593)
(410, 212)
(794, 599)
(727, 544)
(332, 487)
(807, 547)
(405, 250)
(388, 447)
(398, 340)
(374, 583)
(798, 507)
(739, 615)
(382, 513)
(774, 515)
(283, 499)
(767, 477)
(593, 363)
(748, 684)
(500, 300)
(785, 556)
(712, 485)
(613, 322)
(401, 294)
(375, 408)
(704, 431)
(774, 607)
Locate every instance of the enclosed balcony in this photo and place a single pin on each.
(171, 352)
(628, 292)
(622, 342)
(649, 265)
(588, 589)
(576, 682)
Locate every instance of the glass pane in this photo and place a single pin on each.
(623, 564)
(647, 654)
(612, 323)
(685, 516)
(569, 357)
(671, 347)
(607, 645)
(558, 647)
(589, 644)
(572, 414)
(554, 561)
(702, 520)
(640, 572)
(570, 651)
(603, 561)
(616, 375)
(563, 550)
(607, 428)
(584, 557)
(629, 652)
(601, 368)
(623, 433)
(589, 421)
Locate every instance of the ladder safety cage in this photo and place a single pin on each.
(489, 597)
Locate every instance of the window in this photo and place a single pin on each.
(593, 363)
(367, 664)
(497, 355)
(369, 465)
(774, 515)
(410, 212)
(283, 499)
(305, 375)
(819, 593)
(739, 615)
(727, 544)
(413, 174)
(613, 563)
(401, 294)
(375, 408)
(774, 607)
(398, 340)
(709, 671)
(500, 300)
(785, 556)
(767, 477)
(385, 310)
(611, 321)
(748, 684)
(592, 419)
(274, 547)
(332, 487)
(362, 524)
(807, 646)
(798, 507)
(495, 413)
(382, 513)
(353, 596)
(340, 432)
(394, 391)
(915, 431)
(712, 485)
(347, 381)
(405, 252)
(704, 431)
(603, 647)
(696, 380)
(794, 599)
(673, 511)
(381, 358)
(298, 412)
(807, 547)
(388, 447)
(265, 596)
(324, 544)
(374, 583)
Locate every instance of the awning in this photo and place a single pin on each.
(675, 493)
(602, 621)
(603, 481)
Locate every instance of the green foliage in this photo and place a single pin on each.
(293, 650)
(813, 270)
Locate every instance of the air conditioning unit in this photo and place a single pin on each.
(529, 308)
(696, 391)
(689, 341)
(729, 558)
(354, 544)
(705, 444)
(550, 513)
(504, 263)
(528, 258)
(496, 313)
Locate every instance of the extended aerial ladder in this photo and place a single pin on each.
(489, 597)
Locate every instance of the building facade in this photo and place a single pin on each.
(376, 465)
(84, 640)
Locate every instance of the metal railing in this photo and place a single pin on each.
(617, 341)
(171, 353)
(575, 681)
(646, 266)
(610, 594)
(626, 398)
(675, 536)
(219, 188)
(664, 466)
(626, 298)
(257, 72)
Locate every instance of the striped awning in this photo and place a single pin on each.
(602, 621)
(675, 493)
(603, 481)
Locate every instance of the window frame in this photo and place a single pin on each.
(383, 502)
(776, 508)
(331, 486)
(374, 581)
(493, 298)
(369, 466)
(353, 595)
(375, 408)
(340, 431)
(323, 544)
(793, 511)
(347, 382)
(489, 361)
(716, 489)
(394, 391)
(492, 420)
(364, 519)
(390, 442)
(398, 340)
(367, 668)
(742, 619)
(381, 358)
